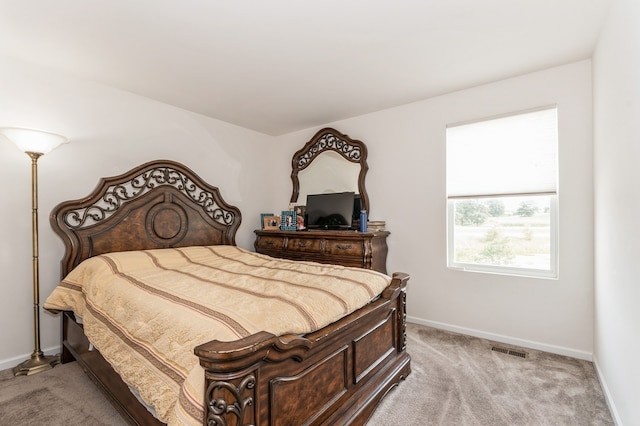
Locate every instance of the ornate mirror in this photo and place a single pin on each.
(330, 162)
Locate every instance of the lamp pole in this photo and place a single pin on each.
(38, 361)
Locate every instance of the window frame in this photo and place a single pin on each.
(553, 271)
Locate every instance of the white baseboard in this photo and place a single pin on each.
(12, 362)
(560, 350)
(607, 394)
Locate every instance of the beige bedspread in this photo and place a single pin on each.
(146, 311)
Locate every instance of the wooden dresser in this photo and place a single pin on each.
(348, 248)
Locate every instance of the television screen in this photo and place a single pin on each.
(330, 211)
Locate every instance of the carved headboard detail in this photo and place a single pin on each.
(159, 204)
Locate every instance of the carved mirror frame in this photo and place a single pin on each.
(329, 139)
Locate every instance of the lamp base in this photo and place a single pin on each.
(36, 364)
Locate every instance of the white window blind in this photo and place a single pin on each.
(504, 156)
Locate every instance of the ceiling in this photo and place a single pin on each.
(279, 66)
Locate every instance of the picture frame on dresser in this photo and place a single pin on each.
(271, 223)
(301, 212)
(262, 216)
(288, 220)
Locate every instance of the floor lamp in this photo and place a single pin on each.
(35, 144)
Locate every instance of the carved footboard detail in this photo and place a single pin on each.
(402, 320)
(238, 400)
(336, 375)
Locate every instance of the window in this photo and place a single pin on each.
(502, 194)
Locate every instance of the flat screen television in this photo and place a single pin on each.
(330, 211)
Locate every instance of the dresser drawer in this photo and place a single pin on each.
(348, 248)
(305, 245)
(269, 243)
(345, 248)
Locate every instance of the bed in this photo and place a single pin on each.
(335, 374)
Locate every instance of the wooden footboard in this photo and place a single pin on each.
(337, 375)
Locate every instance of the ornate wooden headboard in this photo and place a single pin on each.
(159, 204)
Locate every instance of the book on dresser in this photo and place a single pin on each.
(376, 225)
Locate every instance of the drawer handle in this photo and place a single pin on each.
(304, 243)
(268, 243)
(343, 246)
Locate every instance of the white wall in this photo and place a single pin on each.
(406, 184)
(110, 131)
(616, 72)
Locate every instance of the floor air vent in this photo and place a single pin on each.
(519, 354)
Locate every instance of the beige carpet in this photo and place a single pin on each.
(455, 380)
(61, 396)
(459, 380)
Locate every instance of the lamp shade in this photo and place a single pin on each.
(28, 140)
